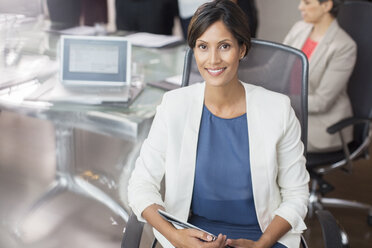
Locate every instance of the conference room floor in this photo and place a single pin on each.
(27, 167)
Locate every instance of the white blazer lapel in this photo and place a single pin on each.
(257, 152)
(189, 148)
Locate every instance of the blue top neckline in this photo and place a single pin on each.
(227, 119)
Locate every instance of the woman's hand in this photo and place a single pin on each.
(241, 243)
(192, 238)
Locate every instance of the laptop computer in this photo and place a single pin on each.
(93, 70)
(95, 61)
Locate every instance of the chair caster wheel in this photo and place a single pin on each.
(369, 220)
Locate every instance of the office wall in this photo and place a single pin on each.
(25, 7)
(276, 17)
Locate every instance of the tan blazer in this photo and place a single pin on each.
(279, 177)
(330, 67)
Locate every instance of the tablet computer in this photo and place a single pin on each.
(179, 224)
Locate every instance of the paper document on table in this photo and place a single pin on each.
(152, 40)
(55, 92)
(78, 30)
(177, 80)
(169, 83)
(28, 69)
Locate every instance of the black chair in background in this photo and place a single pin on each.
(334, 235)
(356, 18)
(64, 13)
(274, 66)
(146, 15)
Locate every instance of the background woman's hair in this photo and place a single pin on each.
(229, 13)
(336, 6)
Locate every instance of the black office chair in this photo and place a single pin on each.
(274, 66)
(271, 65)
(334, 235)
(355, 17)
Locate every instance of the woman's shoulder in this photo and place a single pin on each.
(274, 106)
(184, 92)
(179, 100)
(261, 94)
(302, 24)
(299, 27)
(342, 37)
(262, 91)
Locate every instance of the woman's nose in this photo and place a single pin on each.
(214, 57)
(301, 5)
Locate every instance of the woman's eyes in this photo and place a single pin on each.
(225, 46)
(222, 46)
(202, 46)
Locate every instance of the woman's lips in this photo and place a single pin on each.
(216, 72)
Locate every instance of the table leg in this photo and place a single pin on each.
(65, 179)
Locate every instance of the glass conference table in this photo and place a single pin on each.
(29, 59)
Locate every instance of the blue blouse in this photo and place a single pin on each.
(222, 199)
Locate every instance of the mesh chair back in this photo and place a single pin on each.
(273, 66)
(355, 17)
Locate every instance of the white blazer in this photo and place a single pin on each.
(279, 177)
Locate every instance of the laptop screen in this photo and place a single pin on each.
(90, 60)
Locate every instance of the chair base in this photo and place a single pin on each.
(316, 201)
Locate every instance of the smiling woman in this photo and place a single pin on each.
(217, 55)
(218, 44)
(208, 141)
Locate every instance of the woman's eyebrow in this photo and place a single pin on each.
(225, 40)
(221, 41)
(202, 41)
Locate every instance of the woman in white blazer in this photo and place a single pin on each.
(256, 189)
(332, 54)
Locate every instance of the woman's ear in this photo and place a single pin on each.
(243, 49)
(327, 5)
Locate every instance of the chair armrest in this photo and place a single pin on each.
(338, 126)
(331, 230)
(133, 233)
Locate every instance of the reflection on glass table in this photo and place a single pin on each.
(126, 122)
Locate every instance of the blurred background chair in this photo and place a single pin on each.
(146, 15)
(355, 17)
(271, 65)
(64, 13)
(333, 234)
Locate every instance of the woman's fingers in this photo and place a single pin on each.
(218, 243)
(200, 234)
(240, 243)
